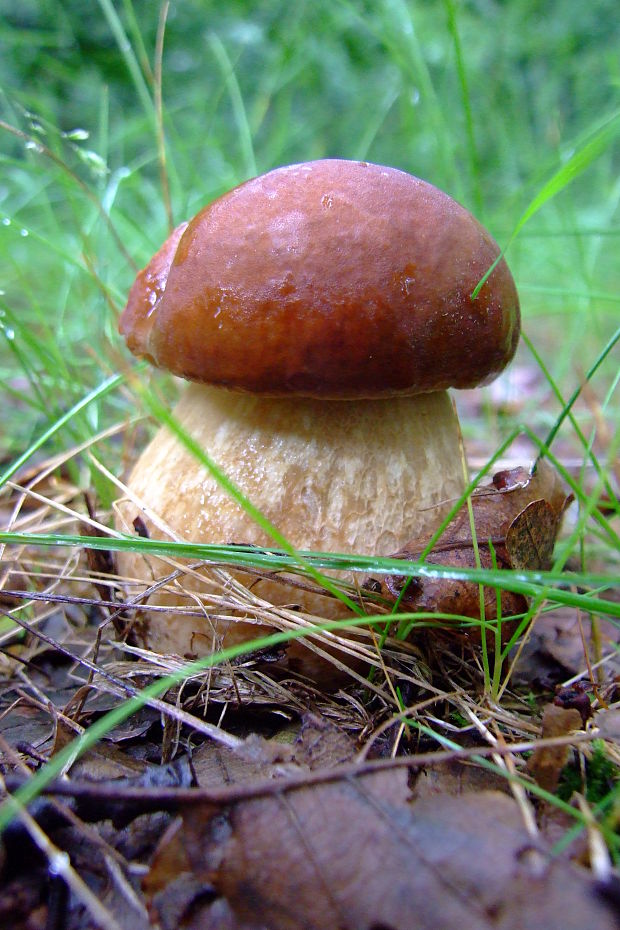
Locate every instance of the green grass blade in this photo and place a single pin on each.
(613, 341)
(96, 394)
(236, 99)
(566, 412)
(571, 169)
(472, 149)
(530, 583)
(129, 56)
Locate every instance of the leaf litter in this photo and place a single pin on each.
(514, 521)
(324, 843)
(354, 854)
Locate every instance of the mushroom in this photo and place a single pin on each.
(321, 311)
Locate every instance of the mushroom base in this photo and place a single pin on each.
(342, 476)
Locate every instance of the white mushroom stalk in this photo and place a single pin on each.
(333, 476)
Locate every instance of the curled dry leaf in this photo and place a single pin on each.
(353, 854)
(547, 762)
(519, 515)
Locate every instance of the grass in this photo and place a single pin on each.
(121, 122)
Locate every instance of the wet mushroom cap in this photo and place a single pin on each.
(333, 279)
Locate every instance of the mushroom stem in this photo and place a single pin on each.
(359, 476)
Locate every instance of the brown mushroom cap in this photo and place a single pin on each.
(328, 279)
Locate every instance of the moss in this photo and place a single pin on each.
(600, 776)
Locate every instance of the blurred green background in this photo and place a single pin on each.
(487, 100)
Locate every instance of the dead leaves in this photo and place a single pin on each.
(298, 834)
(353, 854)
(516, 518)
(350, 850)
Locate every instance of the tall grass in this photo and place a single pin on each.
(457, 93)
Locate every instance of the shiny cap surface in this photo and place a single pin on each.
(332, 278)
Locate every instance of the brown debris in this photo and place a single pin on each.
(547, 762)
(353, 854)
(518, 515)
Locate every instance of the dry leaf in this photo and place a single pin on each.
(13, 578)
(352, 855)
(319, 743)
(100, 561)
(322, 744)
(555, 649)
(456, 777)
(215, 765)
(519, 513)
(547, 762)
(530, 538)
(608, 723)
(575, 696)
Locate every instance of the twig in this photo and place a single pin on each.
(170, 799)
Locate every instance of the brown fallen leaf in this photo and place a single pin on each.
(456, 777)
(257, 758)
(555, 648)
(322, 744)
(519, 514)
(607, 721)
(177, 897)
(319, 743)
(14, 578)
(353, 855)
(100, 561)
(546, 762)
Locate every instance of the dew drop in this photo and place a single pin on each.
(76, 135)
(23, 232)
(6, 221)
(9, 333)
